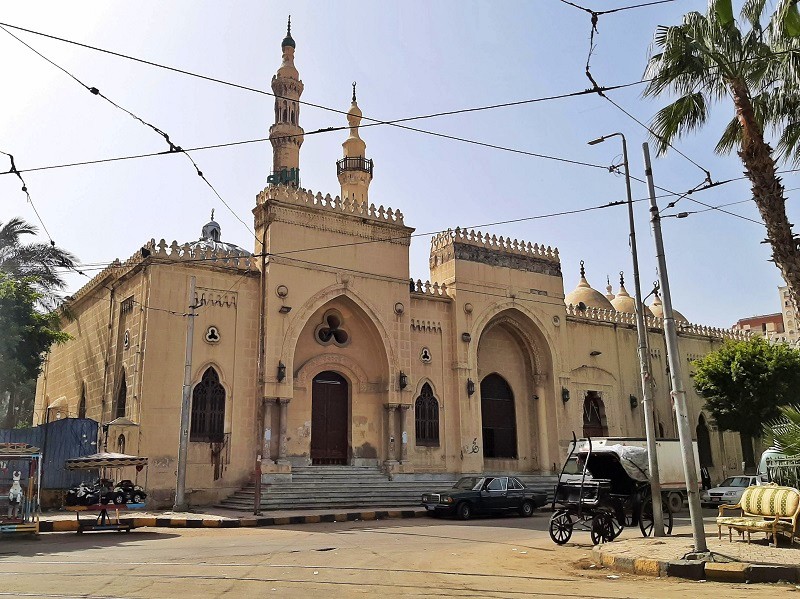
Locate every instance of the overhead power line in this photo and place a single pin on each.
(172, 147)
(13, 171)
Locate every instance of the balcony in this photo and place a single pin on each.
(357, 163)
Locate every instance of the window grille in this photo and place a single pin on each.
(208, 409)
(126, 305)
(426, 418)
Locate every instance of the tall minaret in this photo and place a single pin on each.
(286, 135)
(354, 170)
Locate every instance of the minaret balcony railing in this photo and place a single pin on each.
(354, 163)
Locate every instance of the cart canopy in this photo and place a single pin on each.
(632, 459)
(104, 460)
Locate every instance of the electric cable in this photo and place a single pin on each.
(172, 147)
(13, 171)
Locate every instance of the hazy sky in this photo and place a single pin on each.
(409, 58)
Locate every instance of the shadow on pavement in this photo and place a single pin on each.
(63, 542)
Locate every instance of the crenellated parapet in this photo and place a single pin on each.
(347, 206)
(429, 289)
(625, 318)
(224, 255)
(475, 246)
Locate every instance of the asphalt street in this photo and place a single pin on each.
(486, 557)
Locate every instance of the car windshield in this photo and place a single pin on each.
(736, 481)
(470, 483)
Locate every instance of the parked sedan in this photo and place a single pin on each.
(728, 492)
(484, 495)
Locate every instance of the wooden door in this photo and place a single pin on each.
(329, 416)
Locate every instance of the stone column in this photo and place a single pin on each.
(404, 433)
(391, 411)
(266, 438)
(283, 402)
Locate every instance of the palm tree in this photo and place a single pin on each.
(709, 58)
(785, 431)
(34, 262)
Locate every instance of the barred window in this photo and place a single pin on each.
(126, 305)
(208, 409)
(426, 418)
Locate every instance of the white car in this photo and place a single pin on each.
(729, 491)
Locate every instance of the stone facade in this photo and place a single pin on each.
(318, 348)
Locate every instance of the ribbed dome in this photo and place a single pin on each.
(584, 294)
(657, 308)
(623, 302)
(211, 239)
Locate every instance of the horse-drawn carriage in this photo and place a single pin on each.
(611, 492)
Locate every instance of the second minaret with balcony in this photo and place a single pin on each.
(354, 170)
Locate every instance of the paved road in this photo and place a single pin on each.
(498, 557)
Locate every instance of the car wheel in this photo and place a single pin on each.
(464, 511)
(119, 498)
(675, 502)
(137, 498)
(526, 509)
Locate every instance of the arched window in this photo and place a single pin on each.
(426, 418)
(82, 402)
(294, 120)
(499, 418)
(122, 397)
(208, 409)
(285, 113)
(594, 416)
(704, 443)
(121, 444)
(660, 431)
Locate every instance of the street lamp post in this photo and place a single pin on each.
(644, 365)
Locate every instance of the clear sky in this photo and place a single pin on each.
(409, 58)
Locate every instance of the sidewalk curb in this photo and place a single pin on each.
(697, 570)
(244, 522)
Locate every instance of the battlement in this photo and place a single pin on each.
(428, 288)
(230, 256)
(468, 244)
(611, 316)
(303, 197)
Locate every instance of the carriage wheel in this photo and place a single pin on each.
(560, 527)
(603, 529)
(646, 522)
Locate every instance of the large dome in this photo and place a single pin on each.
(623, 302)
(657, 308)
(585, 295)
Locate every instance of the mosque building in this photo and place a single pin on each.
(337, 357)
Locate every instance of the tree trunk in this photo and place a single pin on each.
(767, 189)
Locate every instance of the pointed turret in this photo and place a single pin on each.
(285, 134)
(354, 170)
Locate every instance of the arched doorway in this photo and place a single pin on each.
(704, 443)
(329, 418)
(594, 416)
(499, 418)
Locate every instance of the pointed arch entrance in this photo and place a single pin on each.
(499, 418)
(329, 418)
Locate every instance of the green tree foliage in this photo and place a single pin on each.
(715, 58)
(26, 336)
(784, 433)
(745, 383)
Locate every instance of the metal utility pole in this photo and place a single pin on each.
(180, 488)
(673, 356)
(644, 358)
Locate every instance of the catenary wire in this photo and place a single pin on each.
(172, 147)
(13, 171)
(613, 10)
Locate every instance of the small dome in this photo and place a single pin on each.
(288, 41)
(657, 308)
(211, 239)
(623, 302)
(584, 294)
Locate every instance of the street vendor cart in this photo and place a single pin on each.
(105, 495)
(20, 483)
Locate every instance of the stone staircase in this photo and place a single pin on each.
(342, 487)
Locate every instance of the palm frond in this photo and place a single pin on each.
(731, 138)
(682, 116)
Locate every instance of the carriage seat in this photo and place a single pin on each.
(763, 508)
